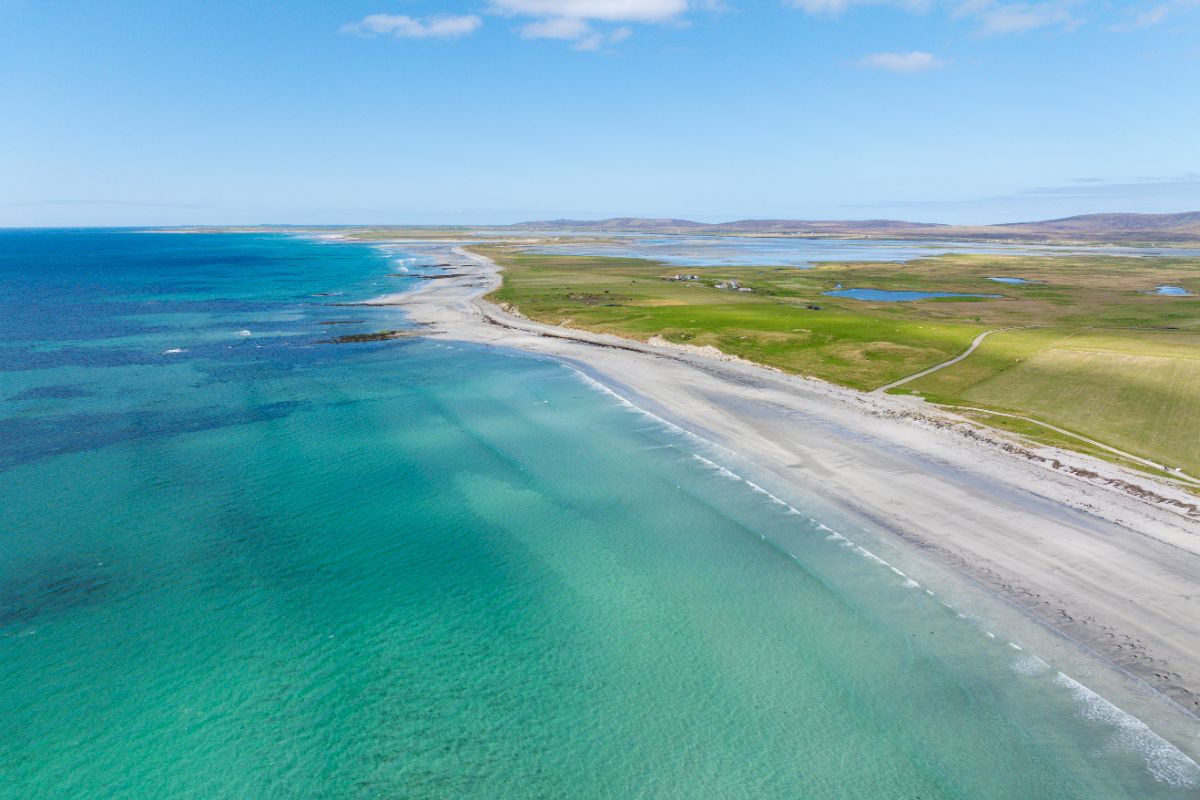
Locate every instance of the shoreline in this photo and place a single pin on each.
(1110, 561)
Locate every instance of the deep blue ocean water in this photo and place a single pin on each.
(236, 561)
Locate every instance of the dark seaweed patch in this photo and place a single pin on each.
(56, 392)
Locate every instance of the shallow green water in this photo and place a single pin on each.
(431, 571)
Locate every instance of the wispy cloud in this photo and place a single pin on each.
(1187, 184)
(1156, 14)
(561, 28)
(994, 17)
(916, 61)
(998, 18)
(99, 202)
(595, 41)
(1152, 193)
(405, 27)
(589, 24)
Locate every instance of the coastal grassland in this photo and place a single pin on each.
(1137, 390)
(771, 325)
(1095, 354)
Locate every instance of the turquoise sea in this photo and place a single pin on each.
(237, 562)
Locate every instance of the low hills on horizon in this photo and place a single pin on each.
(1178, 228)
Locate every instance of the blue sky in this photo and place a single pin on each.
(489, 111)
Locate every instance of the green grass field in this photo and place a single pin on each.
(1138, 391)
(771, 325)
(1096, 356)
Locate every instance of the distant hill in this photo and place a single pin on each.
(1181, 228)
(829, 226)
(615, 224)
(1132, 225)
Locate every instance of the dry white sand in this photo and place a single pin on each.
(1109, 557)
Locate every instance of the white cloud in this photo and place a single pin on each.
(574, 30)
(834, 7)
(822, 6)
(590, 42)
(560, 28)
(439, 27)
(595, 41)
(605, 10)
(915, 61)
(577, 20)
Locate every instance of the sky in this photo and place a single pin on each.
(161, 112)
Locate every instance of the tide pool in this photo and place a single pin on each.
(266, 566)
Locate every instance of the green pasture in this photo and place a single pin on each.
(1094, 353)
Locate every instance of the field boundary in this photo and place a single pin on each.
(1172, 471)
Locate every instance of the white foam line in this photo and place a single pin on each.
(865, 553)
(717, 468)
(1164, 761)
(833, 535)
(597, 385)
(1029, 664)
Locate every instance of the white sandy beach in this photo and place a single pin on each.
(1109, 557)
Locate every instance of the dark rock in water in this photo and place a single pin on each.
(423, 277)
(378, 336)
(342, 322)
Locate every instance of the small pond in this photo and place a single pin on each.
(889, 296)
(1175, 291)
(1013, 281)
